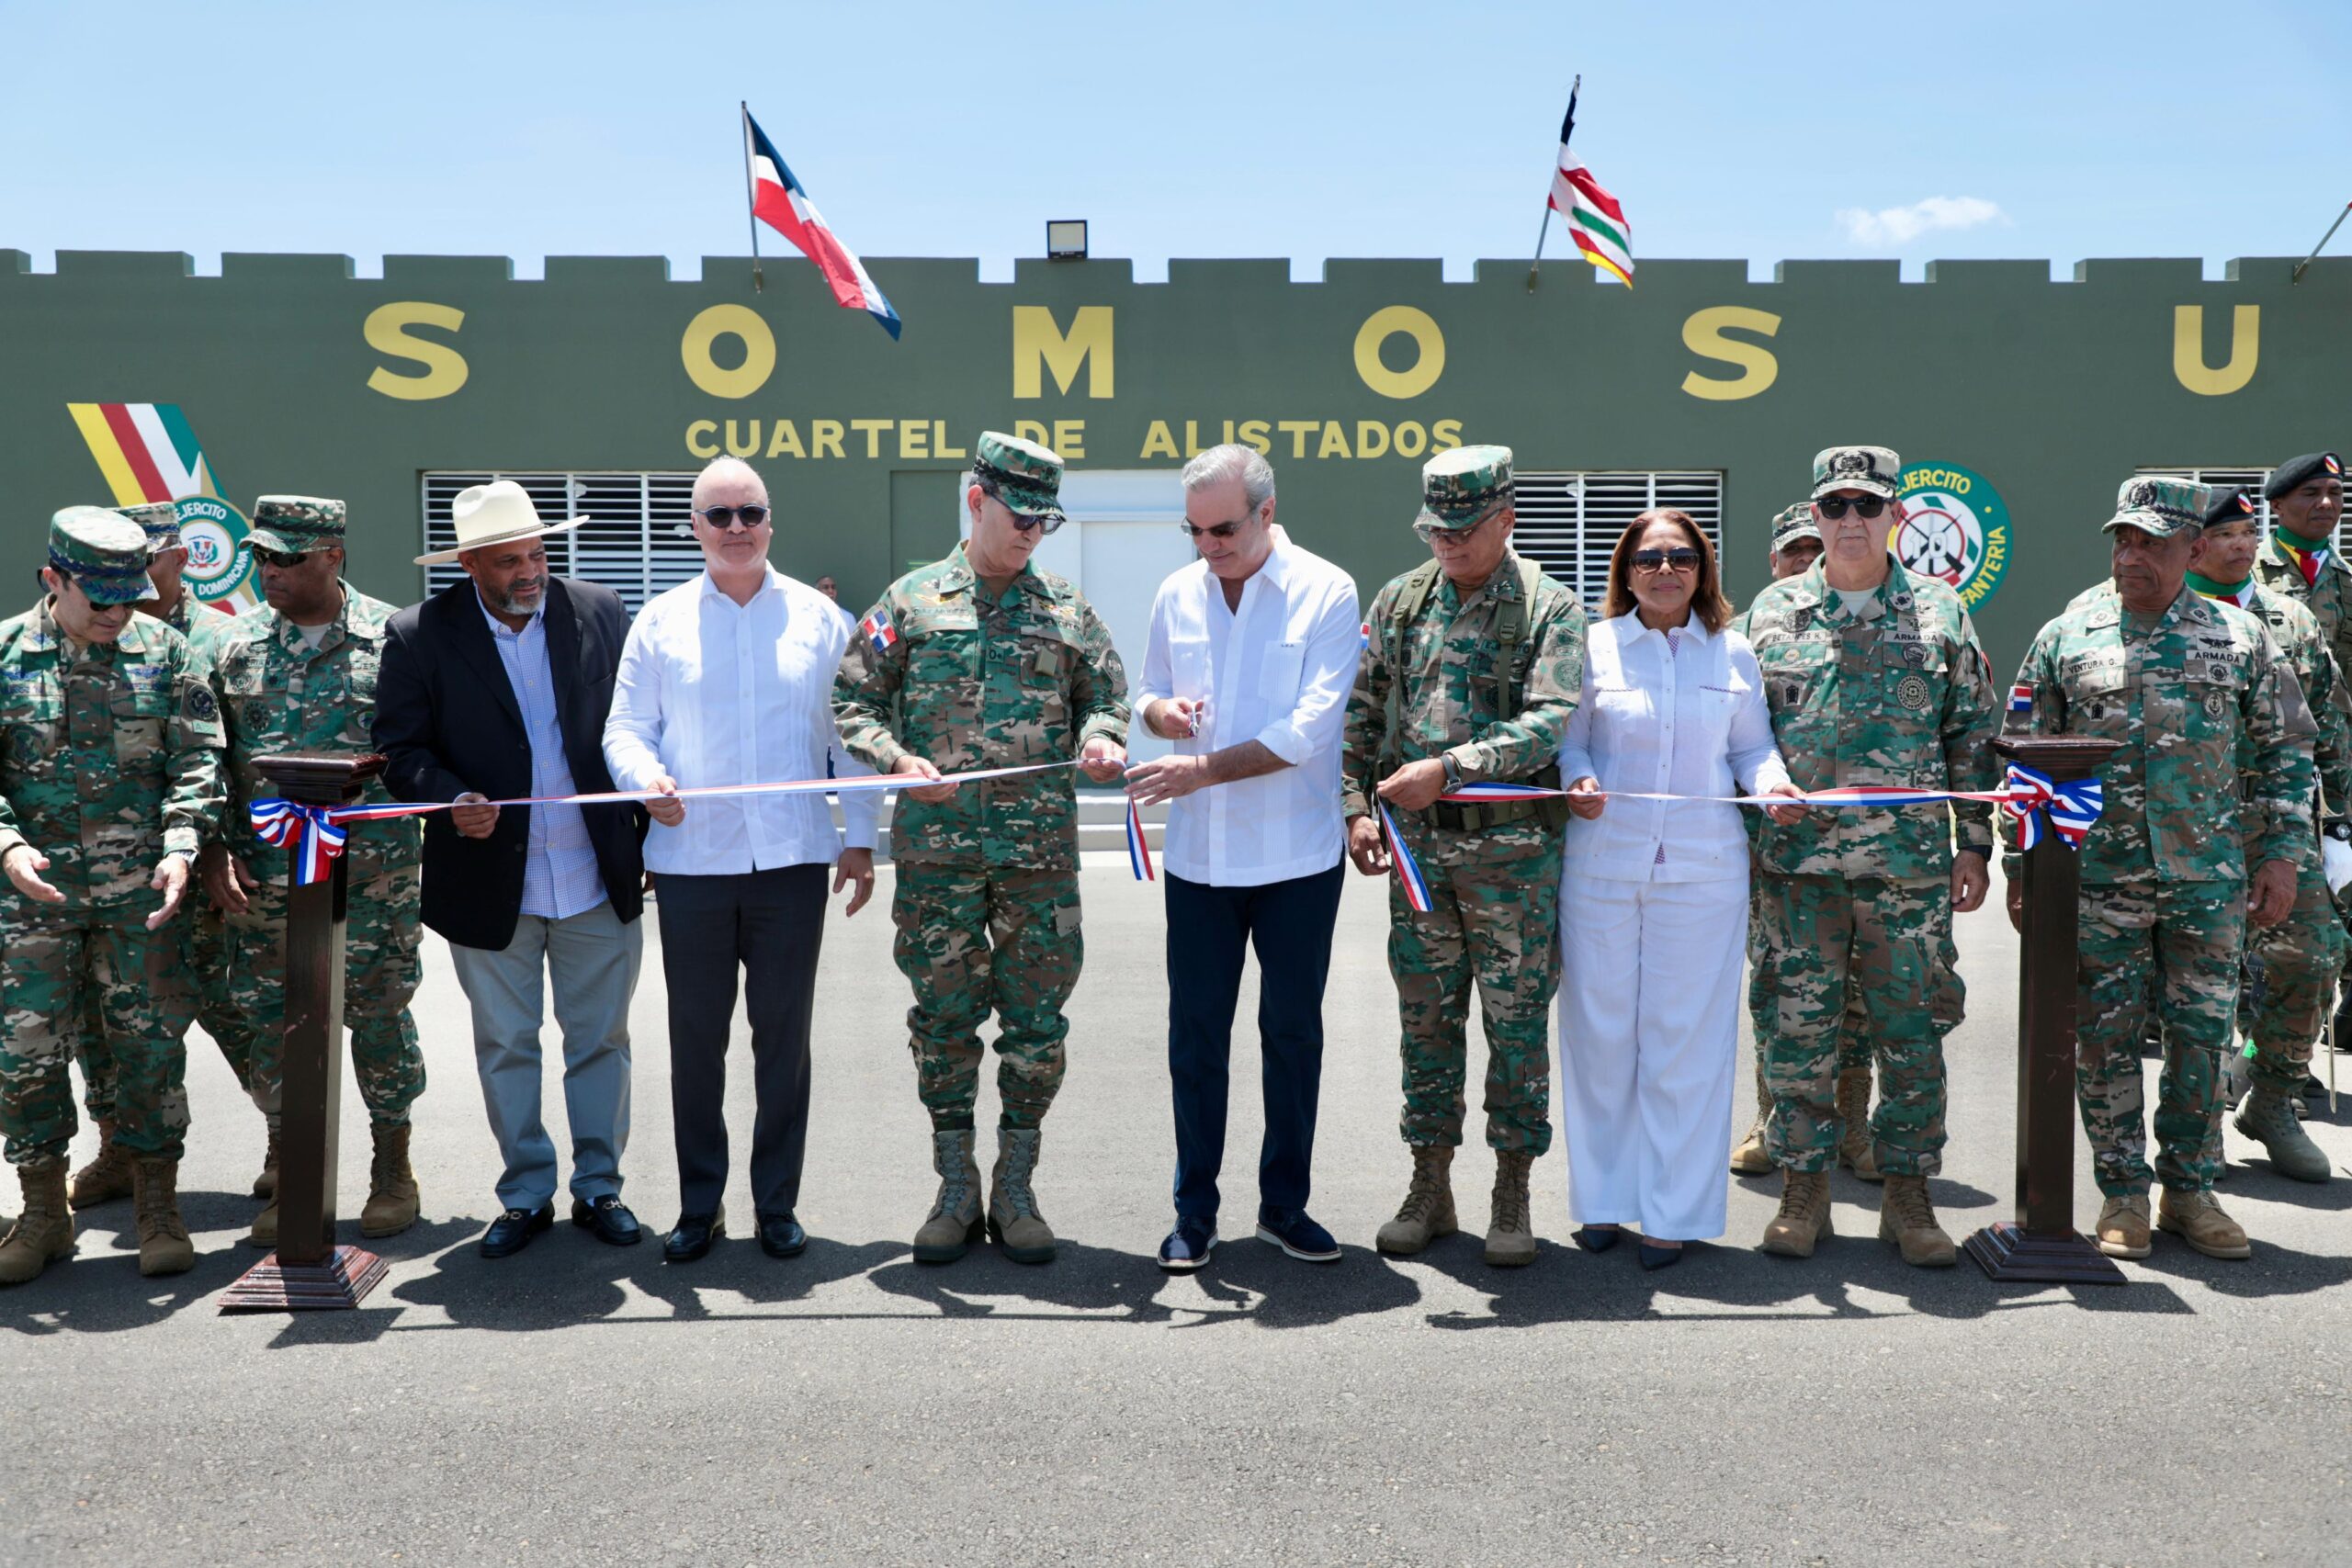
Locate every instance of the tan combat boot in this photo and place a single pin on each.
(46, 1228)
(2198, 1219)
(2122, 1229)
(266, 1184)
(1803, 1219)
(164, 1245)
(1019, 1231)
(107, 1176)
(1751, 1157)
(392, 1185)
(1908, 1219)
(1856, 1150)
(2269, 1118)
(1511, 1236)
(1426, 1213)
(955, 1222)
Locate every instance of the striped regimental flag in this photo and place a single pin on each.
(146, 451)
(1596, 222)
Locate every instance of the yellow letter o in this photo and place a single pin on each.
(1377, 329)
(729, 321)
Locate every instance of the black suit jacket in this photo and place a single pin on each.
(447, 720)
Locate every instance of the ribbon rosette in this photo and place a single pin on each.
(2068, 808)
(308, 834)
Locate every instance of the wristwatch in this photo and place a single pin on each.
(2340, 829)
(1452, 771)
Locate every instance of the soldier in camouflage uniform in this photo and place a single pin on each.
(2179, 862)
(976, 661)
(108, 1176)
(109, 779)
(2294, 962)
(1473, 664)
(1875, 676)
(299, 676)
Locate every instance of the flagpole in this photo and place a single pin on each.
(1540, 234)
(1545, 230)
(2323, 238)
(750, 198)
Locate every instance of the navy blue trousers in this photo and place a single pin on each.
(1209, 931)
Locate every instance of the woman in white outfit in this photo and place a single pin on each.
(1653, 893)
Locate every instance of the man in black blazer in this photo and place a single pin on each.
(496, 689)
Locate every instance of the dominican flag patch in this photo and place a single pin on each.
(2020, 698)
(1366, 642)
(879, 629)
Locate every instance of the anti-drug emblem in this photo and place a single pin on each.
(1955, 527)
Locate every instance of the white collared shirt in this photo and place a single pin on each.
(560, 874)
(711, 692)
(1679, 713)
(1276, 670)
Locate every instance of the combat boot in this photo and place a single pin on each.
(1511, 1236)
(266, 1184)
(1803, 1219)
(1751, 1157)
(1908, 1219)
(2122, 1228)
(955, 1221)
(2341, 1034)
(392, 1185)
(1019, 1231)
(164, 1245)
(2269, 1118)
(1856, 1150)
(108, 1176)
(1426, 1213)
(44, 1231)
(2198, 1219)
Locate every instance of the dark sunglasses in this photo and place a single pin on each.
(723, 517)
(1834, 506)
(280, 558)
(1023, 523)
(1214, 530)
(1683, 558)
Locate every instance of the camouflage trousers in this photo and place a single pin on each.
(382, 966)
(971, 941)
(2171, 946)
(1853, 1036)
(54, 961)
(2295, 965)
(1832, 944)
(1496, 922)
(205, 945)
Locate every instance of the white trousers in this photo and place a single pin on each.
(1649, 1033)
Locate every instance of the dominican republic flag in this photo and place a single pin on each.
(1596, 224)
(2020, 698)
(779, 202)
(879, 629)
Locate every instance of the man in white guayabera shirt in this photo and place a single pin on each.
(1253, 648)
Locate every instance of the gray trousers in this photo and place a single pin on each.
(593, 959)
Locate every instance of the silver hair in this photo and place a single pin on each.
(1247, 464)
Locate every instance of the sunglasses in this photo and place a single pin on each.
(1214, 530)
(1025, 524)
(1834, 506)
(280, 558)
(1682, 558)
(1430, 533)
(723, 517)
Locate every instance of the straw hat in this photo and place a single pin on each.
(496, 514)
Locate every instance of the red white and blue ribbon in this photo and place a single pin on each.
(1408, 872)
(306, 833)
(1138, 851)
(2068, 809)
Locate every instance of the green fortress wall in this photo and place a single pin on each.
(298, 376)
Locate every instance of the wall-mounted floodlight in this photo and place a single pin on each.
(1066, 239)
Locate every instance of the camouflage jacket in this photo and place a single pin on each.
(278, 695)
(109, 762)
(971, 682)
(1444, 687)
(2180, 699)
(1903, 696)
(2328, 598)
(200, 624)
(2296, 631)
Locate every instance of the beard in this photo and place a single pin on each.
(521, 598)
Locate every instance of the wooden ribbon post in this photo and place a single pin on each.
(309, 1272)
(2041, 1243)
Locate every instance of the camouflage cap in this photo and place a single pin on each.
(102, 550)
(1793, 523)
(161, 522)
(2160, 507)
(1027, 478)
(1465, 486)
(2230, 504)
(296, 524)
(1873, 469)
(2298, 471)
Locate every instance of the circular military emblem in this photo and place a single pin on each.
(200, 705)
(218, 562)
(1912, 693)
(1955, 527)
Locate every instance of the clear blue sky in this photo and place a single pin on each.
(2055, 131)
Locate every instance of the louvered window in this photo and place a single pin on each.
(637, 543)
(2253, 480)
(1571, 521)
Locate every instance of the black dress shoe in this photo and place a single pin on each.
(1656, 1258)
(692, 1235)
(608, 1219)
(512, 1231)
(780, 1235)
(1596, 1239)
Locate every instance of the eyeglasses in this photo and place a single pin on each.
(1026, 523)
(1214, 530)
(1430, 533)
(723, 517)
(1683, 558)
(280, 558)
(1834, 506)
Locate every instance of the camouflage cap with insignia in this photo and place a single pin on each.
(2295, 472)
(1873, 469)
(1464, 487)
(161, 522)
(296, 524)
(1026, 476)
(102, 550)
(1793, 523)
(2159, 507)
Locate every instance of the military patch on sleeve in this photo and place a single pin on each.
(1912, 693)
(201, 706)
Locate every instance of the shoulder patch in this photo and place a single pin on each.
(201, 704)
